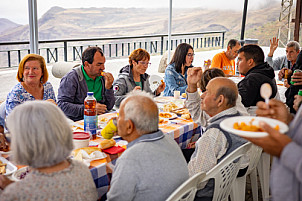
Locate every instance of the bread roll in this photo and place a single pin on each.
(186, 116)
(105, 144)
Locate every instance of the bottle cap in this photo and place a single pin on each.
(90, 93)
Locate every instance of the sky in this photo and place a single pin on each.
(17, 10)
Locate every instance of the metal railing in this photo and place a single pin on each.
(11, 53)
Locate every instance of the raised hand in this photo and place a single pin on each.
(273, 46)
(193, 77)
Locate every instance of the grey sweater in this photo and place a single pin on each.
(151, 168)
(286, 175)
(125, 83)
(279, 62)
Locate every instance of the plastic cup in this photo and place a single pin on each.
(176, 94)
(80, 139)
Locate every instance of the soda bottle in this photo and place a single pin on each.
(90, 116)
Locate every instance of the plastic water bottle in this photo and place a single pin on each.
(90, 116)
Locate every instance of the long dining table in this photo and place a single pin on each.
(181, 130)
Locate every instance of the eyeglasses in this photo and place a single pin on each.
(190, 55)
(144, 63)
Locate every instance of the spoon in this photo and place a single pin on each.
(266, 92)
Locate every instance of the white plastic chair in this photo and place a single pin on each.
(187, 191)
(225, 173)
(238, 189)
(59, 69)
(264, 173)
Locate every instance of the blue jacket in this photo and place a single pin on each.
(72, 92)
(175, 81)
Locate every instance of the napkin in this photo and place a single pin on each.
(87, 158)
(114, 150)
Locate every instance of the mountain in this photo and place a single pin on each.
(6, 24)
(60, 23)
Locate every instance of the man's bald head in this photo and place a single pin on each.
(140, 108)
(227, 88)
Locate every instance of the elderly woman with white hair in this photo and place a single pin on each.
(42, 139)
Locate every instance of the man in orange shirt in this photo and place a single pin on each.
(226, 60)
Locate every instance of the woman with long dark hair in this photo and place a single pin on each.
(176, 71)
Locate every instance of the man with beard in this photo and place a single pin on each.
(257, 72)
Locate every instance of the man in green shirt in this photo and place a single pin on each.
(88, 77)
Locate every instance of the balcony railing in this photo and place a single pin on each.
(11, 53)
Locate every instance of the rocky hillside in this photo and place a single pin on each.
(60, 23)
(6, 25)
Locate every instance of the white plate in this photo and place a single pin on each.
(166, 122)
(228, 123)
(10, 168)
(100, 136)
(155, 81)
(163, 99)
(16, 175)
(104, 121)
(5, 152)
(173, 115)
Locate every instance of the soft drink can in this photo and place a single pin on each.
(298, 70)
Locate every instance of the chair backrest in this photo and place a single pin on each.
(59, 69)
(187, 191)
(254, 156)
(225, 172)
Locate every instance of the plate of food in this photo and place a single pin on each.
(155, 81)
(163, 122)
(167, 115)
(20, 174)
(4, 145)
(6, 167)
(102, 121)
(248, 126)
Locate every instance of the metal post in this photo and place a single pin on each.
(65, 50)
(169, 30)
(243, 19)
(33, 26)
(298, 19)
(222, 42)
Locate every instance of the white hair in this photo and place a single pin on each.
(137, 110)
(41, 135)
